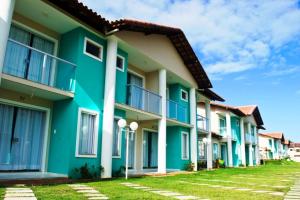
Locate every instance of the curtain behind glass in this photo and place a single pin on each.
(16, 55)
(116, 139)
(136, 93)
(36, 71)
(27, 148)
(154, 148)
(131, 150)
(86, 135)
(145, 149)
(6, 120)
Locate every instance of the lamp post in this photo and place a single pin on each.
(133, 126)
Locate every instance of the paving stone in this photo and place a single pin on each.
(243, 189)
(82, 188)
(94, 195)
(277, 193)
(18, 188)
(18, 191)
(19, 195)
(18, 198)
(87, 191)
(185, 197)
(260, 191)
(171, 194)
(98, 198)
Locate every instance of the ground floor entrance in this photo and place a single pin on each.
(22, 138)
(224, 153)
(150, 149)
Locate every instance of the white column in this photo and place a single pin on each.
(6, 11)
(250, 145)
(193, 130)
(162, 123)
(243, 150)
(256, 146)
(108, 107)
(229, 139)
(209, 138)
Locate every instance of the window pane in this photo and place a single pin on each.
(87, 134)
(116, 139)
(120, 63)
(93, 49)
(184, 146)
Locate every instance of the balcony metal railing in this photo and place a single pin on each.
(202, 123)
(177, 111)
(142, 99)
(32, 64)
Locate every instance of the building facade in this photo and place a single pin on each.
(272, 146)
(234, 135)
(67, 76)
(294, 152)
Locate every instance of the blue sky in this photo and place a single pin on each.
(250, 49)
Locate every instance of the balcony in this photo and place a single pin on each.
(176, 111)
(202, 123)
(29, 70)
(253, 140)
(142, 99)
(223, 131)
(248, 138)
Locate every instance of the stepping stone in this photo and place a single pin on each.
(19, 195)
(277, 193)
(19, 191)
(18, 198)
(98, 198)
(243, 189)
(87, 191)
(260, 191)
(279, 186)
(171, 194)
(94, 195)
(82, 188)
(185, 197)
(140, 187)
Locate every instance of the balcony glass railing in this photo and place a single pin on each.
(202, 123)
(177, 111)
(223, 131)
(142, 99)
(248, 137)
(32, 64)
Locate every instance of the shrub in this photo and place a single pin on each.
(189, 166)
(201, 165)
(88, 172)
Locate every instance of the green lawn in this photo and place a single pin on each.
(205, 184)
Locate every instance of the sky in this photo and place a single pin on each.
(249, 49)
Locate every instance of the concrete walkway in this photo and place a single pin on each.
(19, 193)
(88, 192)
(165, 193)
(294, 193)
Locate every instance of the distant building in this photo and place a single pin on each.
(294, 151)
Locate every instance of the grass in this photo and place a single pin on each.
(275, 176)
(2, 191)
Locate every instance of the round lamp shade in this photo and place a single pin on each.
(133, 126)
(122, 123)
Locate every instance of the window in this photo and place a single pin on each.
(237, 123)
(184, 95)
(87, 133)
(120, 63)
(201, 150)
(215, 151)
(93, 49)
(222, 124)
(185, 146)
(117, 140)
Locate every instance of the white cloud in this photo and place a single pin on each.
(231, 36)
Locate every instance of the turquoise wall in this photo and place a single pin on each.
(175, 95)
(121, 80)
(89, 94)
(119, 162)
(174, 160)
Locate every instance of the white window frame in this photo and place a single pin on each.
(96, 44)
(187, 95)
(91, 112)
(123, 66)
(119, 141)
(187, 146)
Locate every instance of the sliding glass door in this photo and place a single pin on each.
(22, 133)
(150, 149)
(24, 57)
